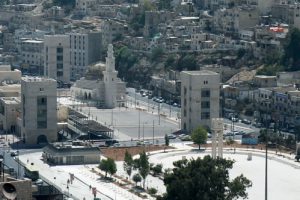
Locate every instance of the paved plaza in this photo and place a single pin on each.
(284, 174)
(129, 123)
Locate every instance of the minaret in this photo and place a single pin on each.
(110, 78)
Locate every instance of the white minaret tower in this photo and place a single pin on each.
(110, 78)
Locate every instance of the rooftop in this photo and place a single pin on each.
(10, 100)
(33, 41)
(37, 79)
(201, 72)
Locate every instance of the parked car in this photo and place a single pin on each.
(209, 135)
(171, 136)
(111, 142)
(257, 125)
(246, 121)
(14, 153)
(186, 138)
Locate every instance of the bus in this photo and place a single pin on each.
(31, 172)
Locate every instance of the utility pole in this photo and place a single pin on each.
(143, 131)
(158, 108)
(153, 133)
(266, 167)
(112, 117)
(139, 131)
(135, 99)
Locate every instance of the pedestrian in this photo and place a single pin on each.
(90, 187)
(68, 181)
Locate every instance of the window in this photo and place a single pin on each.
(59, 73)
(60, 66)
(185, 90)
(59, 50)
(184, 113)
(41, 89)
(205, 115)
(59, 58)
(205, 93)
(205, 104)
(41, 101)
(205, 82)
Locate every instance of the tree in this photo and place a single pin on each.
(204, 179)
(291, 57)
(136, 178)
(157, 169)
(109, 166)
(170, 61)
(199, 136)
(128, 163)
(167, 140)
(144, 167)
(187, 62)
(156, 54)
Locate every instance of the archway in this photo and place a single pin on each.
(42, 139)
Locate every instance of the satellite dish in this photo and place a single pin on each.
(9, 191)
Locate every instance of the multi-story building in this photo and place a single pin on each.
(57, 57)
(280, 105)
(233, 20)
(9, 76)
(200, 94)
(82, 6)
(9, 107)
(32, 52)
(38, 110)
(153, 19)
(85, 49)
(287, 12)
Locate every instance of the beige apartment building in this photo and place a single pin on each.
(9, 110)
(38, 108)
(57, 57)
(200, 94)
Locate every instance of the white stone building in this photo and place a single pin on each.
(32, 52)
(104, 87)
(200, 94)
(85, 49)
(9, 76)
(9, 107)
(38, 108)
(57, 57)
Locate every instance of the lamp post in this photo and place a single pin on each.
(139, 128)
(266, 159)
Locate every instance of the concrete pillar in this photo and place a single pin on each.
(214, 144)
(217, 141)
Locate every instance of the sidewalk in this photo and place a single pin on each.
(58, 176)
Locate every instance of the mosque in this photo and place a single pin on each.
(101, 84)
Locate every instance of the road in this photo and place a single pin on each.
(136, 99)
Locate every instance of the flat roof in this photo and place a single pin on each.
(10, 100)
(34, 41)
(201, 72)
(37, 79)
